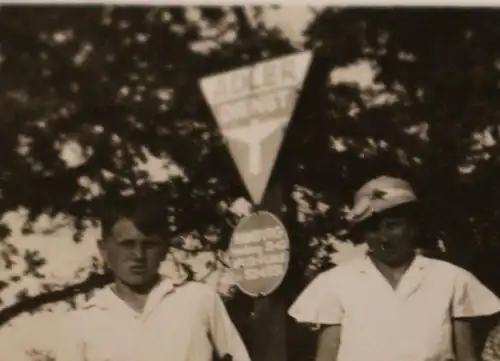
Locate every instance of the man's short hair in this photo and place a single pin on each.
(145, 211)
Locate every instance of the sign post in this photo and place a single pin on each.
(253, 106)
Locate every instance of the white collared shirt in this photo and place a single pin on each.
(184, 323)
(379, 323)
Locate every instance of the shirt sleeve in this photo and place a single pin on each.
(491, 351)
(319, 303)
(11, 345)
(68, 347)
(471, 298)
(226, 339)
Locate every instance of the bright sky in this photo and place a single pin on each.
(65, 257)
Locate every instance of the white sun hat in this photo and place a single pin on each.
(378, 195)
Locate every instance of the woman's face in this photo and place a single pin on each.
(391, 238)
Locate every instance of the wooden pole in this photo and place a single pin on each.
(271, 326)
(268, 315)
(268, 318)
(268, 339)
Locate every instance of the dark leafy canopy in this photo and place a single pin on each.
(120, 82)
(123, 82)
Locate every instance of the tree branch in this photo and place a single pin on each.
(93, 281)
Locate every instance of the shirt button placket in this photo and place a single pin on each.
(141, 336)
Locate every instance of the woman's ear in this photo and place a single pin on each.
(415, 229)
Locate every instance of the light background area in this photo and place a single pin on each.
(65, 258)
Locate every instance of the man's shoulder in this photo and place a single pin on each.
(86, 311)
(194, 295)
(196, 288)
(73, 320)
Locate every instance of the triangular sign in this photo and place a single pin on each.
(253, 106)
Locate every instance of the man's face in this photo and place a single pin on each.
(133, 257)
(391, 239)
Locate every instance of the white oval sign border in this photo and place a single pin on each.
(287, 237)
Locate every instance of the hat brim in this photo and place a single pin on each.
(410, 207)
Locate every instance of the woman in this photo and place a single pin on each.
(394, 304)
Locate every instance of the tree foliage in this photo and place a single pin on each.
(88, 94)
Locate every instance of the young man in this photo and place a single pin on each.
(394, 304)
(142, 317)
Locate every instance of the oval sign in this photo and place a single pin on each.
(259, 253)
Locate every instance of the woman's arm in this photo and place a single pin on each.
(463, 337)
(328, 343)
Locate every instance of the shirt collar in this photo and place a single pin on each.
(419, 263)
(410, 282)
(105, 298)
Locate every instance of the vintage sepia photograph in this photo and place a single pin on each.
(249, 183)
